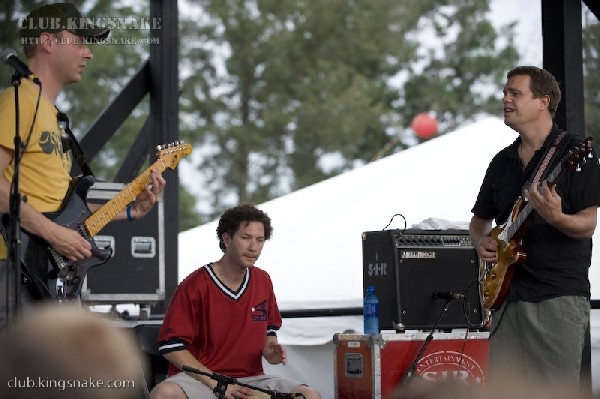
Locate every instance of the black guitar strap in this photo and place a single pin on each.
(70, 142)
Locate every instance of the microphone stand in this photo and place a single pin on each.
(14, 218)
(411, 370)
(223, 381)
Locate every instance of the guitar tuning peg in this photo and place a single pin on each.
(159, 147)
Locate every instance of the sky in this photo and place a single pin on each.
(528, 14)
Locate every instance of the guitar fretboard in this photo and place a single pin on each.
(100, 218)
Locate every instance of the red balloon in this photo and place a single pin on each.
(424, 125)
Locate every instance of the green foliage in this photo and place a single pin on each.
(591, 70)
(453, 81)
(10, 13)
(188, 216)
(277, 95)
(112, 66)
(303, 83)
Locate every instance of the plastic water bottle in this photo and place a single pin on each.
(371, 311)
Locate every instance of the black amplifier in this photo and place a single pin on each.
(407, 267)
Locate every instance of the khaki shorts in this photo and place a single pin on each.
(194, 389)
(541, 340)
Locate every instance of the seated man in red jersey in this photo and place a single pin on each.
(223, 318)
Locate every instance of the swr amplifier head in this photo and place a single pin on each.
(409, 268)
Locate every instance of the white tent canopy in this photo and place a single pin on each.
(315, 255)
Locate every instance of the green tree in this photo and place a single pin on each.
(10, 13)
(461, 77)
(591, 71)
(302, 90)
(110, 69)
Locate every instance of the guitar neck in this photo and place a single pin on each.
(513, 228)
(101, 217)
(526, 210)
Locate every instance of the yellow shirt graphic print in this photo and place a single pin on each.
(45, 168)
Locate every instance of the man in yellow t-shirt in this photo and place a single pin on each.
(57, 57)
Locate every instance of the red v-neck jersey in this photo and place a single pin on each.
(223, 329)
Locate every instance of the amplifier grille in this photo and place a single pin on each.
(407, 267)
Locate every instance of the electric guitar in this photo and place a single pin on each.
(495, 277)
(75, 214)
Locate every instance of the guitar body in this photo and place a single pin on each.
(495, 277)
(41, 260)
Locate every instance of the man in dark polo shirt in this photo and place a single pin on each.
(538, 328)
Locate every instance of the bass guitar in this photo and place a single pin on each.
(75, 214)
(495, 277)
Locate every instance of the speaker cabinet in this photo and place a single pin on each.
(408, 266)
(136, 271)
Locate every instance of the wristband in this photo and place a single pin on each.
(129, 217)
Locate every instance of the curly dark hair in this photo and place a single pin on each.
(232, 218)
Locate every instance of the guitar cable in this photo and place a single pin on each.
(467, 308)
(466, 312)
(501, 316)
(392, 219)
(35, 114)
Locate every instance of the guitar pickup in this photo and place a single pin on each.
(105, 241)
(143, 247)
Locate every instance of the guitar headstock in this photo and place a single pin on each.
(577, 156)
(170, 154)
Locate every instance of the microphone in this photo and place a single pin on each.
(9, 57)
(447, 295)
